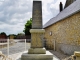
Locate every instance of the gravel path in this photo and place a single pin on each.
(20, 47)
(60, 55)
(16, 48)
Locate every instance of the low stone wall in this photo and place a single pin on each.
(67, 49)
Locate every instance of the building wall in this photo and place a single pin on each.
(3, 38)
(20, 37)
(11, 37)
(66, 34)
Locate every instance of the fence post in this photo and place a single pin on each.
(25, 44)
(8, 47)
(54, 45)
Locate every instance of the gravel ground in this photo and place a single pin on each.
(16, 48)
(19, 47)
(60, 55)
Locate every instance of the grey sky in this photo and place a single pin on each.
(15, 13)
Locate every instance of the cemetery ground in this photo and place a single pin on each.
(18, 48)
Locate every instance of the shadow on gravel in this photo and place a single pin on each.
(60, 55)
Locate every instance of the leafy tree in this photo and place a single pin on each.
(28, 27)
(20, 33)
(3, 33)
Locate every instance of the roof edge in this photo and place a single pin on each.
(62, 18)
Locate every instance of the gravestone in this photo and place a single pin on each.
(37, 51)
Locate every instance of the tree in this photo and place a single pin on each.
(20, 34)
(12, 35)
(3, 33)
(28, 26)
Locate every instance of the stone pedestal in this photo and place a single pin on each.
(37, 38)
(47, 56)
(37, 42)
(77, 55)
(37, 52)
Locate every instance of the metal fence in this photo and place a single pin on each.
(12, 46)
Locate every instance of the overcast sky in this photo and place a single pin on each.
(15, 13)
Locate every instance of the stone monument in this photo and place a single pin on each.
(37, 51)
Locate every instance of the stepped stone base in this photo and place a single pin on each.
(37, 51)
(77, 53)
(47, 56)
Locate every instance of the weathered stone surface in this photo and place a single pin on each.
(77, 53)
(37, 38)
(37, 31)
(77, 58)
(67, 49)
(47, 56)
(65, 32)
(37, 51)
(37, 15)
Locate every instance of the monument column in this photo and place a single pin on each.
(37, 14)
(36, 25)
(37, 32)
(37, 52)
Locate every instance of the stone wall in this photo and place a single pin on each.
(66, 33)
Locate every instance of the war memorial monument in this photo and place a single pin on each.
(37, 51)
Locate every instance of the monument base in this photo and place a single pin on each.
(37, 36)
(37, 51)
(47, 56)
